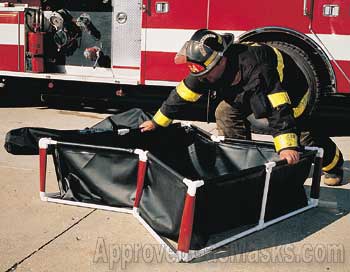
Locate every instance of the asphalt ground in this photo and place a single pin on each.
(39, 236)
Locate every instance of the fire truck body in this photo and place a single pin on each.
(134, 42)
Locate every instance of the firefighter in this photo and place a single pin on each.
(260, 86)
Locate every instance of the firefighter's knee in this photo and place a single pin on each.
(221, 110)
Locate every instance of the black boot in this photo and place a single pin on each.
(334, 177)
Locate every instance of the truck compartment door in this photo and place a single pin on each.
(331, 27)
(12, 40)
(242, 16)
(166, 26)
(126, 39)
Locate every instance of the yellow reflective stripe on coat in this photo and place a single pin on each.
(285, 140)
(187, 94)
(333, 163)
(280, 63)
(302, 105)
(161, 119)
(278, 99)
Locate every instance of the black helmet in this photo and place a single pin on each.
(203, 51)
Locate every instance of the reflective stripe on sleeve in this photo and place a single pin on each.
(280, 63)
(278, 99)
(333, 163)
(187, 94)
(161, 119)
(302, 105)
(285, 140)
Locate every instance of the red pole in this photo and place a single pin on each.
(186, 227)
(43, 145)
(42, 167)
(186, 224)
(141, 172)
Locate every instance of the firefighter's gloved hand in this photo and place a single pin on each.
(292, 156)
(147, 126)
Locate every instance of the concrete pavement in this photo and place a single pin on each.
(38, 236)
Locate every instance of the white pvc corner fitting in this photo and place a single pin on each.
(43, 196)
(142, 154)
(186, 124)
(319, 150)
(192, 185)
(135, 211)
(217, 139)
(270, 165)
(183, 256)
(123, 131)
(313, 202)
(45, 142)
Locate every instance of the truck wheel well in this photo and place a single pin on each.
(317, 57)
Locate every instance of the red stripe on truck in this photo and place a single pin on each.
(11, 17)
(161, 66)
(12, 58)
(343, 85)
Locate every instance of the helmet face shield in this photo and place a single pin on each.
(180, 57)
(182, 51)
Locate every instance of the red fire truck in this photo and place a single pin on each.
(133, 42)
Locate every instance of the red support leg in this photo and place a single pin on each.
(186, 224)
(43, 145)
(43, 163)
(141, 172)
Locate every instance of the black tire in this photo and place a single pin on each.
(308, 69)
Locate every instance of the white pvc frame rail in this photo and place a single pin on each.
(183, 252)
(54, 197)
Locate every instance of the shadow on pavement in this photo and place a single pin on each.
(276, 240)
